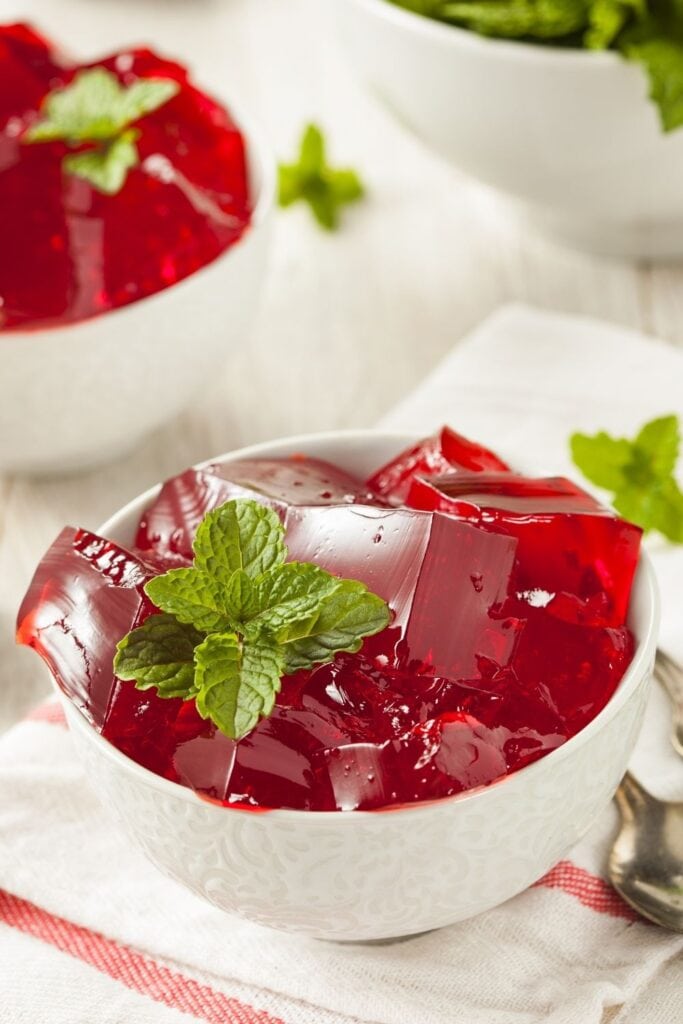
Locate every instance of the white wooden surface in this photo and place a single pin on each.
(349, 322)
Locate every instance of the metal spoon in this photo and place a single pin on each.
(670, 675)
(646, 861)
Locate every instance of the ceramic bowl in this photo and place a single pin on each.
(363, 875)
(570, 134)
(79, 395)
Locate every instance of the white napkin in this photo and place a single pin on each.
(90, 932)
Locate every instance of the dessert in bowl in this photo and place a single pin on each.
(416, 778)
(140, 268)
(569, 135)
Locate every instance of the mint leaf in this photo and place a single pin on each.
(193, 597)
(640, 473)
(96, 108)
(236, 682)
(606, 19)
(661, 55)
(264, 618)
(347, 615)
(312, 180)
(159, 654)
(241, 597)
(105, 168)
(289, 594)
(239, 535)
(601, 458)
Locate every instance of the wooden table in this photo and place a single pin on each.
(349, 322)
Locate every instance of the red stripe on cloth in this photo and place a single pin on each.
(134, 970)
(590, 890)
(50, 711)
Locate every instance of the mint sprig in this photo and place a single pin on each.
(241, 617)
(96, 109)
(639, 473)
(312, 180)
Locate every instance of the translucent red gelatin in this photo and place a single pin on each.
(470, 682)
(432, 457)
(77, 252)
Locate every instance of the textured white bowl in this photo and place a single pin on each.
(379, 874)
(569, 133)
(78, 395)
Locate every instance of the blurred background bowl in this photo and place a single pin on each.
(569, 134)
(79, 395)
(361, 875)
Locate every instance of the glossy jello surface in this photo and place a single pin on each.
(76, 251)
(483, 669)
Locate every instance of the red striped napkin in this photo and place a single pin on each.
(90, 932)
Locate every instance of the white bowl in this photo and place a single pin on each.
(569, 133)
(78, 395)
(376, 874)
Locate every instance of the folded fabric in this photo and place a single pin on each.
(89, 931)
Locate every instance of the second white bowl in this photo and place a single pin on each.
(78, 395)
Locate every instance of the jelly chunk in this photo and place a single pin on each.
(575, 558)
(432, 456)
(170, 523)
(85, 595)
(424, 566)
(80, 252)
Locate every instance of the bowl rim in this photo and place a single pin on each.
(260, 167)
(640, 665)
(490, 45)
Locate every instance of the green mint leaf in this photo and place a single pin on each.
(657, 44)
(602, 459)
(264, 618)
(289, 594)
(311, 180)
(516, 19)
(106, 167)
(347, 615)
(236, 682)
(658, 442)
(94, 107)
(239, 535)
(241, 597)
(640, 473)
(159, 654)
(606, 19)
(193, 597)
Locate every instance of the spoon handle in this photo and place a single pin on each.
(670, 675)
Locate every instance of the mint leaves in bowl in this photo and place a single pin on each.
(571, 109)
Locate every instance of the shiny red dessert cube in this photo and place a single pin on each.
(433, 456)
(575, 558)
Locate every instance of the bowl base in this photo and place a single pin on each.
(652, 242)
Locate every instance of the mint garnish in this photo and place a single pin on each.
(313, 181)
(638, 473)
(95, 108)
(240, 618)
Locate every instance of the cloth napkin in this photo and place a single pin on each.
(90, 932)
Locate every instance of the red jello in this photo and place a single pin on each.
(431, 457)
(470, 681)
(574, 557)
(78, 252)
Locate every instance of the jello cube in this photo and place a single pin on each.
(85, 595)
(575, 558)
(170, 523)
(435, 455)
(443, 580)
